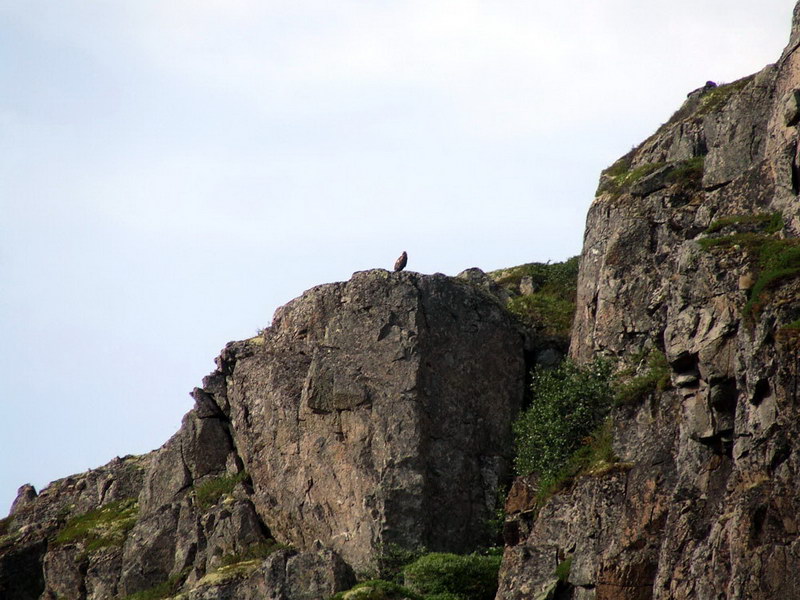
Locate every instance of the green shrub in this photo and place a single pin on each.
(550, 314)
(469, 577)
(392, 559)
(655, 377)
(568, 404)
(377, 589)
(209, 492)
(106, 526)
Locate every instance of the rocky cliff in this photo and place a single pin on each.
(375, 415)
(691, 250)
(372, 414)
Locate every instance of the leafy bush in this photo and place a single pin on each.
(594, 457)
(377, 589)
(392, 558)
(209, 492)
(106, 526)
(553, 315)
(569, 403)
(655, 377)
(470, 577)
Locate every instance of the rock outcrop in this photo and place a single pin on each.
(691, 249)
(376, 414)
(373, 413)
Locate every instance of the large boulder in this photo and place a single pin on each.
(377, 412)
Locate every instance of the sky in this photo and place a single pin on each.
(173, 171)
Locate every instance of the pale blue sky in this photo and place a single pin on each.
(173, 171)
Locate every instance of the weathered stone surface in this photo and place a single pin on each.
(708, 509)
(377, 411)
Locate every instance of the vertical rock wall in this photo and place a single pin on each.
(377, 412)
(677, 247)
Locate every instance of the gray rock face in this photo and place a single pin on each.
(377, 412)
(707, 504)
(373, 412)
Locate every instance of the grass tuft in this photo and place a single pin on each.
(655, 377)
(103, 527)
(551, 307)
(563, 569)
(209, 492)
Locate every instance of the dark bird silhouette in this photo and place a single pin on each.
(400, 263)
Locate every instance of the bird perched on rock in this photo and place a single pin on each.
(400, 263)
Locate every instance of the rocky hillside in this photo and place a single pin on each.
(373, 414)
(372, 422)
(691, 252)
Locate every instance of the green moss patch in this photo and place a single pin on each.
(688, 172)
(209, 492)
(620, 176)
(777, 260)
(106, 526)
(563, 569)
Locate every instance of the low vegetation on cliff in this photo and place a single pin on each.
(621, 177)
(561, 433)
(649, 372)
(211, 491)
(106, 526)
(542, 294)
(432, 576)
(775, 260)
